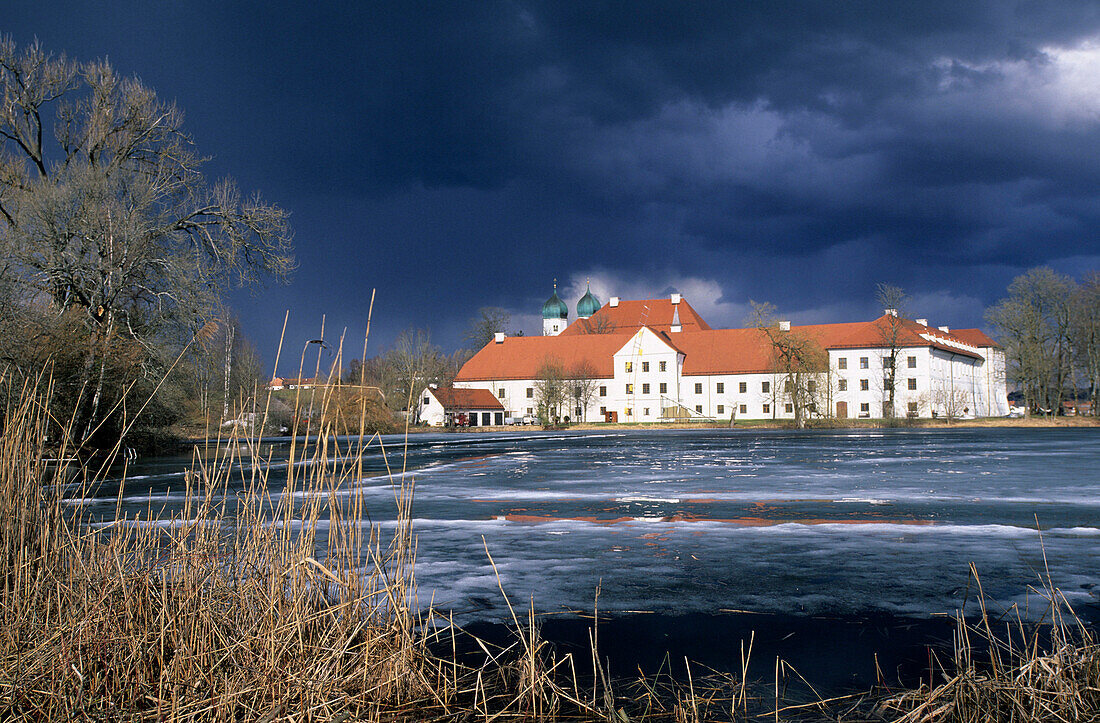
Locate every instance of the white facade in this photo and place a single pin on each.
(946, 378)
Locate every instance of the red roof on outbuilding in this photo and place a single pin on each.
(452, 398)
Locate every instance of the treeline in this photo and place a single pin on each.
(117, 251)
(1049, 325)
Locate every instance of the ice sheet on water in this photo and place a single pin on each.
(712, 519)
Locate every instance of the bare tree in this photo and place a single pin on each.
(1086, 334)
(411, 365)
(799, 363)
(481, 329)
(893, 301)
(112, 217)
(1034, 325)
(551, 390)
(583, 385)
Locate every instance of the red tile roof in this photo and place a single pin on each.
(452, 398)
(629, 315)
(519, 357)
(977, 337)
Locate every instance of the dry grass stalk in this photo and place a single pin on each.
(1030, 673)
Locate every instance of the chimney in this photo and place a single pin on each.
(613, 302)
(675, 299)
(922, 322)
(499, 337)
(675, 326)
(784, 326)
(945, 329)
(433, 385)
(890, 312)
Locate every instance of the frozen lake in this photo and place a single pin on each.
(700, 522)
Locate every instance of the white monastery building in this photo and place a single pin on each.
(656, 359)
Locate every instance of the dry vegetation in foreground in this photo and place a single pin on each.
(1021, 675)
(228, 611)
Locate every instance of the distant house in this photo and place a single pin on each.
(1073, 409)
(294, 383)
(445, 406)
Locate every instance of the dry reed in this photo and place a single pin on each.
(1025, 672)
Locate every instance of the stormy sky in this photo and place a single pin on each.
(460, 155)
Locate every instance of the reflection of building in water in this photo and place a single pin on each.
(657, 359)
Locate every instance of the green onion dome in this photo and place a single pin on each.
(588, 305)
(555, 308)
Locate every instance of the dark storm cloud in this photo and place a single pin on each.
(458, 155)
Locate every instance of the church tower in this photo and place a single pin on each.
(555, 314)
(589, 304)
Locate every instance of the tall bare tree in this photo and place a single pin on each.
(1034, 325)
(106, 213)
(584, 382)
(481, 329)
(799, 363)
(412, 364)
(893, 301)
(551, 389)
(1086, 334)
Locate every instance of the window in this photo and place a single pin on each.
(865, 408)
(603, 391)
(721, 388)
(767, 409)
(699, 388)
(721, 409)
(842, 363)
(842, 385)
(788, 408)
(743, 409)
(578, 411)
(699, 408)
(630, 411)
(864, 385)
(912, 362)
(427, 400)
(500, 393)
(645, 412)
(629, 367)
(645, 366)
(664, 388)
(787, 385)
(811, 386)
(913, 409)
(862, 362)
(530, 392)
(887, 362)
(912, 384)
(888, 384)
(765, 387)
(663, 366)
(555, 327)
(530, 410)
(645, 389)
(743, 387)
(629, 388)
(603, 410)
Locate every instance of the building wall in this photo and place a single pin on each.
(943, 384)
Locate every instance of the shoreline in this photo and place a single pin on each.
(818, 425)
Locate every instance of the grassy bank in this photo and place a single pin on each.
(253, 606)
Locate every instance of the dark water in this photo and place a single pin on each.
(847, 540)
